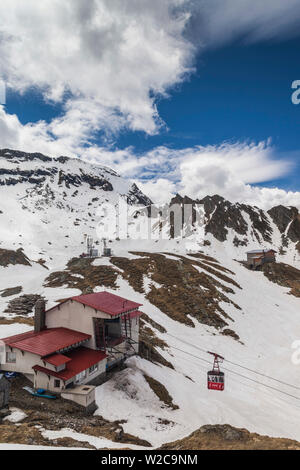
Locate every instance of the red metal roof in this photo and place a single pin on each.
(107, 303)
(57, 359)
(46, 342)
(80, 360)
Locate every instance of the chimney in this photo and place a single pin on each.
(39, 315)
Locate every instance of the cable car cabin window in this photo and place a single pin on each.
(216, 378)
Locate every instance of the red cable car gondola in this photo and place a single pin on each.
(216, 378)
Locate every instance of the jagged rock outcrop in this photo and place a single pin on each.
(287, 219)
(23, 156)
(248, 223)
(294, 230)
(221, 216)
(23, 305)
(282, 216)
(15, 176)
(136, 196)
(94, 182)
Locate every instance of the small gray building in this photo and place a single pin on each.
(4, 391)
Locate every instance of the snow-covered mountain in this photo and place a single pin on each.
(46, 200)
(197, 295)
(240, 227)
(48, 204)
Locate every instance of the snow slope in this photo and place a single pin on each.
(267, 325)
(48, 219)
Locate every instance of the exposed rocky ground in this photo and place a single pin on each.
(149, 342)
(11, 291)
(54, 416)
(13, 257)
(23, 305)
(226, 437)
(81, 274)
(28, 434)
(161, 392)
(16, 319)
(284, 275)
(49, 169)
(180, 287)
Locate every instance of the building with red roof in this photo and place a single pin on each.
(111, 321)
(74, 343)
(257, 258)
(47, 342)
(78, 361)
(108, 303)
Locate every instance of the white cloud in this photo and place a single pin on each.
(159, 191)
(117, 54)
(106, 62)
(230, 170)
(216, 22)
(228, 167)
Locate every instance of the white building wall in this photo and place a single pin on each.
(75, 316)
(24, 362)
(43, 380)
(82, 399)
(79, 317)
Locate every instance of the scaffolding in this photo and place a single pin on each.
(108, 343)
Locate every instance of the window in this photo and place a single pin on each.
(79, 377)
(93, 369)
(11, 357)
(57, 383)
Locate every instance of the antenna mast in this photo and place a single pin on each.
(89, 245)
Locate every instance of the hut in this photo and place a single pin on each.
(257, 258)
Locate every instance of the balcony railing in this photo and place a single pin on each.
(114, 341)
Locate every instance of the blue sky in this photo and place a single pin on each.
(238, 93)
(210, 77)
